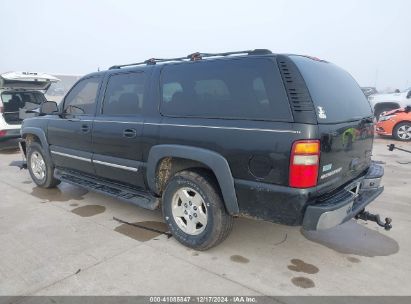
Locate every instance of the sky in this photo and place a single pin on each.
(369, 39)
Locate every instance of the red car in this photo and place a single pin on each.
(396, 123)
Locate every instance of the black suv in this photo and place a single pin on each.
(283, 138)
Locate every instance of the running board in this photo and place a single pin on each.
(122, 192)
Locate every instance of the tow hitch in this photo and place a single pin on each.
(367, 216)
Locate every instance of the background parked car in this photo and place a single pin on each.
(20, 92)
(386, 102)
(396, 123)
(369, 91)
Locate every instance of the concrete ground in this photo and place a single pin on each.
(65, 241)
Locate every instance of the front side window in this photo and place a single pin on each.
(124, 94)
(234, 89)
(82, 98)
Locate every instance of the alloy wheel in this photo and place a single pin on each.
(189, 211)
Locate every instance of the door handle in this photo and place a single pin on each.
(85, 128)
(130, 133)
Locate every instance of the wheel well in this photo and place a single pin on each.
(400, 123)
(167, 167)
(29, 138)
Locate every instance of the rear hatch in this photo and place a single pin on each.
(344, 122)
(16, 105)
(22, 92)
(26, 81)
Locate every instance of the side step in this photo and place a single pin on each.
(122, 192)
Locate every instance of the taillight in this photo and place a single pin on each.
(3, 133)
(1, 109)
(304, 163)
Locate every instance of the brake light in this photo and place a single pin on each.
(304, 163)
(3, 133)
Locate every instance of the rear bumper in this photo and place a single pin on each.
(296, 207)
(345, 204)
(11, 139)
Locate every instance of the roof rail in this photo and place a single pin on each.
(193, 57)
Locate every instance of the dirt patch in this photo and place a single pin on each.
(353, 238)
(301, 266)
(74, 205)
(89, 210)
(239, 259)
(141, 234)
(353, 260)
(303, 282)
(63, 193)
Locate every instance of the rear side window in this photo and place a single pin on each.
(234, 89)
(124, 94)
(336, 95)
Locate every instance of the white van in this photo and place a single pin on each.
(20, 92)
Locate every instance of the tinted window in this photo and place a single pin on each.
(336, 95)
(237, 89)
(124, 94)
(82, 98)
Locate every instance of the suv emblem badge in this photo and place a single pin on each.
(321, 113)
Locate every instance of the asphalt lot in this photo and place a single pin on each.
(65, 241)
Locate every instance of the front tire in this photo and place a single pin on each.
(194, 210)
(402, 131)
(40, 166)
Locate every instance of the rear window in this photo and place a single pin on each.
(234, 89)
(13, 101)
(336, 95)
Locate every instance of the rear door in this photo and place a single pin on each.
(69, 134)
(118, 128)
(344, 121)
(26, 81)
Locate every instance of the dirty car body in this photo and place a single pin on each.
(282, 138)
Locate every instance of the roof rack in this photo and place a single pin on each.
(192, 57)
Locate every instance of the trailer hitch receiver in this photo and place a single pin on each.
(367, 216)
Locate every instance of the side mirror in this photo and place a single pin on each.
(407, 109)
(409, 94)
(49, 107)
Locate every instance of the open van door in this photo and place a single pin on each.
(26, 81)
(20, 93)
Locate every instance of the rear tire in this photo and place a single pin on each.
(40, 166)
(194, 210)
(402, 131)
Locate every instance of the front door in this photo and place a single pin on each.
(118, 128)
(69, 134)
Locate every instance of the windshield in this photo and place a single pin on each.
(336, 95)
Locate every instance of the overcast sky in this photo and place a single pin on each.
(370, 39)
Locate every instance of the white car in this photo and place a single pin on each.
(386, 102)
(20, 92)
